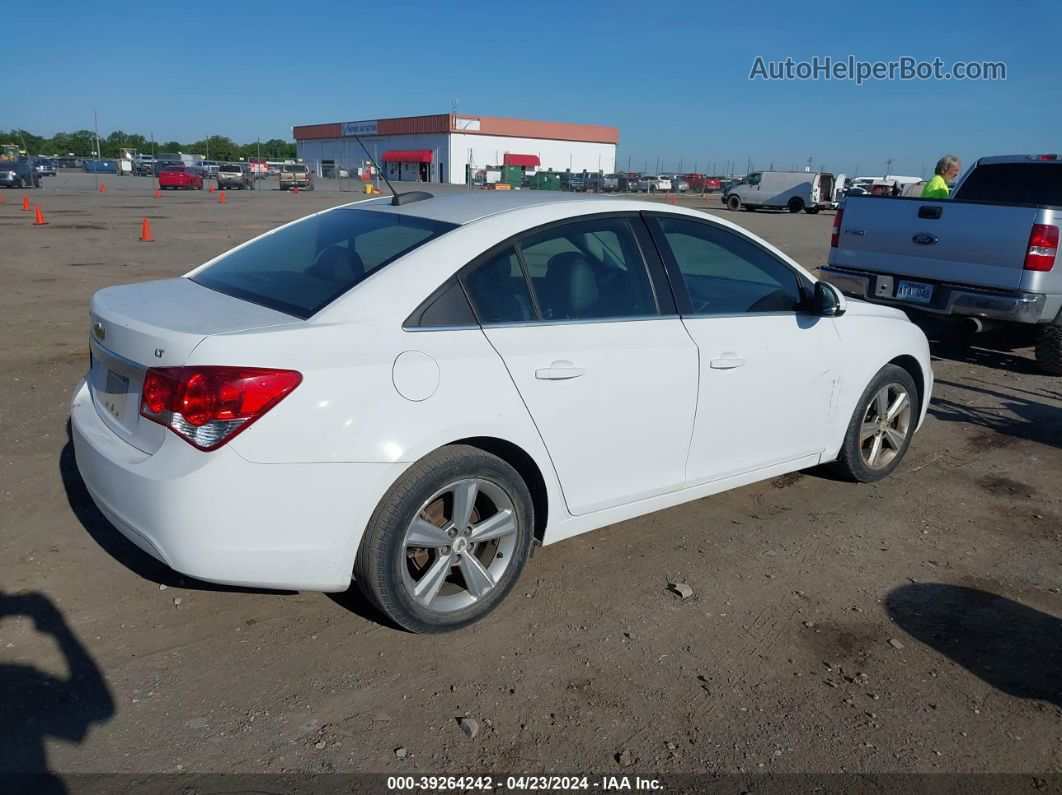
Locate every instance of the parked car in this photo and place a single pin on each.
(44, 166)
(782, 190)
(175, 176)
(985, 257)
(573, 182)
(651, 184)
(295, 175)
(19, 173)
(235, 176)
(69, 162)
(210, 168)
(678, 183)
(266, 421)
(144, 165)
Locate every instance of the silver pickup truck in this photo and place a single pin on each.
(986, 256)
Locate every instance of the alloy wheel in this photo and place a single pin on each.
(886, 425)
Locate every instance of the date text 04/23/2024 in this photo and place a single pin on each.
(524, 783)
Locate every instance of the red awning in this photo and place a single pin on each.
(408, 156)
(520, 160)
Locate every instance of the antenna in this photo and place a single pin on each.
(397, 199)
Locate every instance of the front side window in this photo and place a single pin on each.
(726, 274)
(301, 268)
(754, 179)
(588, 270)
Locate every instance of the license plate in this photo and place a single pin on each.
(115, 392)
(914, 291)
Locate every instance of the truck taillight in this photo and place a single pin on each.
(1043, 246)
(208, 406)
(836, 235)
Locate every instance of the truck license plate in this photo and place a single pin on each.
(914, 291)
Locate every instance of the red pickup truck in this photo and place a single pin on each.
(180, 176)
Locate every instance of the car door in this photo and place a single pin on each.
(601, 360)
(769, 369)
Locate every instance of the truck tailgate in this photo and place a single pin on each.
(944, 241)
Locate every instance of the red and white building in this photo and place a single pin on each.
(449, 146)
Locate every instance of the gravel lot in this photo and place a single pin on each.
(907, 626)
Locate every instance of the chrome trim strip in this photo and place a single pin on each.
(108, 353)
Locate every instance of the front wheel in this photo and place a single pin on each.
(733, 203)
(447, 542)
(1049, 349)
(880, 430)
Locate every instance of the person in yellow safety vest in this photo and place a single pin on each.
(946, 171)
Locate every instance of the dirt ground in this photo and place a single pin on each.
(908, 626)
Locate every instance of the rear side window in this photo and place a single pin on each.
(499, 291)
(301, 268)
(588, 270)
(726, 274)
(1014, 183)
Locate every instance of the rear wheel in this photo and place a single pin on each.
(880, 430)
(447, 542)
(733, 203)
(1049, 349)
(795, 205)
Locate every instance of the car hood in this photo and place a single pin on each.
(866, 309)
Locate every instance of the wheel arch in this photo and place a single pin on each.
(914, 369)
(526, 466)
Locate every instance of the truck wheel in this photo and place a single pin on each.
(795, 205)
(811, 210)
(1049, 349)
(733, 203)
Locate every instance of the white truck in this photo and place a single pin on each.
(986, 256)
(809, 191)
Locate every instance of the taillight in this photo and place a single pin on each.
(1043, 246)
(208, 406)
(836, 235)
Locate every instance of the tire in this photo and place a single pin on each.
(1049, 348)
(795, 205)
(733, 203)
(879, 452)
(811, 210)
(389, 570)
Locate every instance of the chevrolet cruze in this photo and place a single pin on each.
(410, 393)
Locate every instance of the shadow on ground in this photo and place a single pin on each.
(35, 704)
(1016, 415)
(1014, 648)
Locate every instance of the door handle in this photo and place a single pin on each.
(727, 363)
(559, 371)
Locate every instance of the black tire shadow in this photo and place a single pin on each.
(1034, 421)
(1014, 648)
(995, 349)
(354, 601)
(118, 546)
(36, 704)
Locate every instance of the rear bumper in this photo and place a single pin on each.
(220, 518)
(1016, 307)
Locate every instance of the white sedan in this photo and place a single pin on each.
(409, 395)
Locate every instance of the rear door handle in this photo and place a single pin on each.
(559, 371)
(727, 363)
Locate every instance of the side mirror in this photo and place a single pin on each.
(828, 300)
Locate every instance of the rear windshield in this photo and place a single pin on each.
(173, 168)
(295, 169)
(301, 268)
(1014, 183)
(227, 169)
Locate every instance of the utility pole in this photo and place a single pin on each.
(888, 167)
(810, 161)
(99, 154)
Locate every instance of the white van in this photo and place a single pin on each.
(809, 191)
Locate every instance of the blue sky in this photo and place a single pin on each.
(672, 76)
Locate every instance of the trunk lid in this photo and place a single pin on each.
(156, 324)
(943, 241)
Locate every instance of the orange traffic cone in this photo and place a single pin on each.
(294, 190)
(39, 220)
(210, 189)
(103, 187)
(145, 232)
(1, 198)
(221, 197)
(158, 193)
(25, 202)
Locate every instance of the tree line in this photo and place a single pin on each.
(82, 143)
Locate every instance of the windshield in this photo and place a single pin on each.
(173, 168)
(1014, 183)
(301, 268)
(295, 169)
(230, 169)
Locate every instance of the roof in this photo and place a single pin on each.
(467, 206)
(462, 124)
